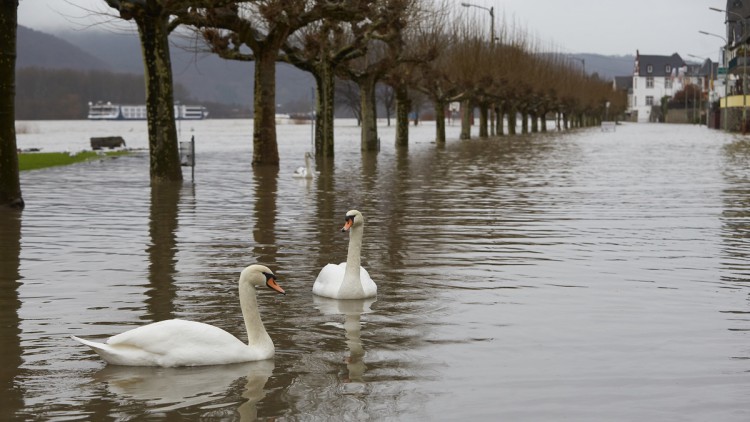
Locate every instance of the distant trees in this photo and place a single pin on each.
(10, 184)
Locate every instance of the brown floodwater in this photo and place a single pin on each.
(582, 276)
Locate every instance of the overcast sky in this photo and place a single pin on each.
(609, 27)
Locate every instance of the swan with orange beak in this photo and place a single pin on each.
(348, 280)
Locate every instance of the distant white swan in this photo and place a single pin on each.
(347, 280)
(305, 172)
(177, 342)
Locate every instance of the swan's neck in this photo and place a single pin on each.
(352, 284)
(256, 332)
(308, 165)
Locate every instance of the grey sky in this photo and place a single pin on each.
(610, 27)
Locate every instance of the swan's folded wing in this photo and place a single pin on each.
(165, 336)
(329, 280)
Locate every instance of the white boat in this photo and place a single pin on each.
(109, 111)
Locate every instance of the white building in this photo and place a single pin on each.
(655, 77)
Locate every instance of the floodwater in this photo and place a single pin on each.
(583, 276)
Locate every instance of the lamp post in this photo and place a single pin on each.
(711, 75)
(583, 63)
(726, 75)
(492, 44)
(744, 62)
(492, 18)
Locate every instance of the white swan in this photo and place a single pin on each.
(177, 342)
(347, 280)
(305, 172)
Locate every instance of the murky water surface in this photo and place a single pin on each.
(580, 276)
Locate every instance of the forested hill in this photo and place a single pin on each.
(59, 74)
(204, 78)
(37, 49)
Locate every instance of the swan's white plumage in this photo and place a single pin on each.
(177, 342)
(305, 172)
(348, 280)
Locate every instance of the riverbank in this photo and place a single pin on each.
(39, 160)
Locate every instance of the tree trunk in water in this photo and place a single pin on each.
(524, 122)
(467, 117)
(483, 120)
(370, 141)
(493, 115)
(543, 120)
(439, 121)
(162, 133)
(534, 122)
(265, 148)
(511, 120)
(499, 123)
(10, 182)
(403, 105)
(324, 115)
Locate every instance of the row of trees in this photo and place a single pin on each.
(415, 47)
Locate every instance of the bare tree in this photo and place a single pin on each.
(262, 27)
(319, 49)
(10, 182)
(152, 17)
(347, 93)
(389, 18)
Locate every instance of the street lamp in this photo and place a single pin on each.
(583, 63)
(492, 18)
(710, 78)
(744, 62)
(726, 75)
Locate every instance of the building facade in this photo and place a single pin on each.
(655, 77)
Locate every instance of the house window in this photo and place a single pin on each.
(668, 69)
(650, 82)
(649, 100)
(635, 83)
(635, 101)
(668, 83)
(650, 69)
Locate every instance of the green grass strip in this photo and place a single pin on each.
(39, 160)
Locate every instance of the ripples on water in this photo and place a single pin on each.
(584, 276)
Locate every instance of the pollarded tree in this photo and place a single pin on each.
(256, 31)
(384, 51)
(412, 46)
(10, 182)
(434, 78)
(320, 48)
(153, 19)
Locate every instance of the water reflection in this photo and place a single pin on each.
(471, 246)
(163, 222)
(11, 395)
(265, 248)
(735, 220)
(171, 389)
(352, 311)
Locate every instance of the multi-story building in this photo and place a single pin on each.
(655, 77)
(735, 105)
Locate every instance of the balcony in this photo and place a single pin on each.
(737, 63)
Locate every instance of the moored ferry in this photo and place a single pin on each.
(109, 111)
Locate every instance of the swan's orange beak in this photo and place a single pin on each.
(347, 225)
(271, 282)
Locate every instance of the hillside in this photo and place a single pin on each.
(205, 77)
(37, 49)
